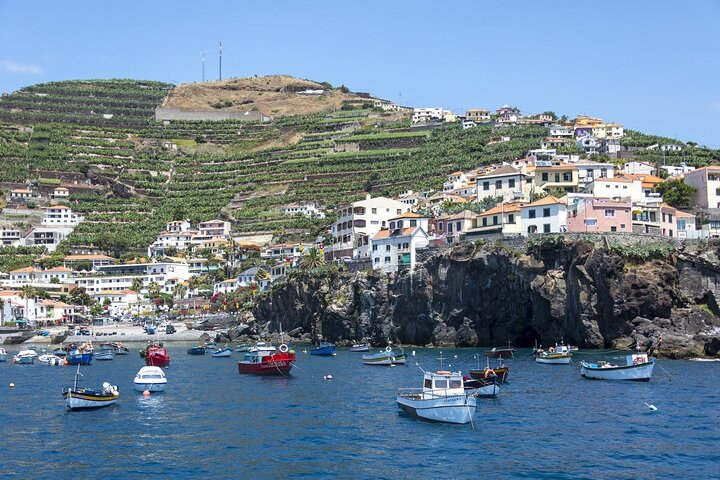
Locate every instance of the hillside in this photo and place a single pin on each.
(275, 96)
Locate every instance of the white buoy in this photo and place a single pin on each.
(334, 354)
(327, 377)
(304, 350)
(413, 353)
(12, 385)
(651, 407)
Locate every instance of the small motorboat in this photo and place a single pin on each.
(638, 367)
(85, 398)
(557, 355)
(156, 355)
(441, 399)
(224, 353)
(325, 349)
(482, 387)
(104, 355)
(262, 361)
(60, 352)
(50, 359)
(243, 348)
(82, 355)
(385, 358)
(211, 345)
(115, 347)
(151, 379)
(3, 354)
(25, 357)
(360, 347)
(196, 350)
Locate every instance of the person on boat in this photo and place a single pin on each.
(653, 346)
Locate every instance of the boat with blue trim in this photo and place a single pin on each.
(324, 349)
(638, 367)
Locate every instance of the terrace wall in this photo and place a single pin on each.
(164, 113)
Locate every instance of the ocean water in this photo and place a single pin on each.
(548, 422)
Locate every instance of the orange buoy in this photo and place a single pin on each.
(146, 393)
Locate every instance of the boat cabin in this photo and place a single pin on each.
(450, 382)
(637, 359)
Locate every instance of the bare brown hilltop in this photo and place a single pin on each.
(274, 95)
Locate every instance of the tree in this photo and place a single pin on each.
(676, 193)
(312, 259)
(194, 283)
(2, 311)
(153, 290)
(180, 290)
(137, 285)
(27, 292)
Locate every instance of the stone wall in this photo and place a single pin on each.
(164, 113)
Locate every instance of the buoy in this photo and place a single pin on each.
(334, 354)
(413, 353)
(651, 407)
(12, 385)
(304, 350)
(454, 356)
(146, 393)
(327, 377)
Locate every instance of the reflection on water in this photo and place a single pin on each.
(548, 422)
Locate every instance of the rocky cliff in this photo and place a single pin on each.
(589, 295)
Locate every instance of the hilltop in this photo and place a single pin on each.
(274, 96)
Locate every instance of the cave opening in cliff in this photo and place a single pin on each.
(527, 338)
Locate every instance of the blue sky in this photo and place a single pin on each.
(652, 65)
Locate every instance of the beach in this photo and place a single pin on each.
(120, 332)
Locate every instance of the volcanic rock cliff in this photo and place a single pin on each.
(588, 295)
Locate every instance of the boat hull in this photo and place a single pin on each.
(157, 357)
(499, 353)
(222, 353)
(277, 364)
(104, 355)
(360, 348)
(150, 387)
(196, 351)
(76, 400)
(325, 351)
(385, 359)
(637, 373)
(554, 359)
(501, 373)
(450, 409)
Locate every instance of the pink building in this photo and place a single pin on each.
(599, 215)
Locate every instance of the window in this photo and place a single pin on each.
(613, 229)
(375, 248)
(546, 212)
(440, 225)
(567, 177)
(622, 225)
(486, 185)
(387, 248)
(717, 191)
(557, 177)
(398, 211)
(590, 222)
(681, 224)
(456, 384)
(484, 222)
(498, 184)
(544, 177)
(663, 217)
(441, 383)
(387, 259)
(546, 228)
(511, 183)
(413, 223)
(458, 226)
(531, 213)
(670, 219)
(374, 210)
(714, 224)
(495, 220)
(609, 212)
(603, 173)
(511, 218)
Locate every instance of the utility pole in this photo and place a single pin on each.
(220, 61)
(203, 65)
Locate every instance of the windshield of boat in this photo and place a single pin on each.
(151, 375)
(441, 383)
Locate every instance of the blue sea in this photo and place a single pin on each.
(548, 422)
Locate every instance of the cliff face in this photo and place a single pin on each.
(588, 296)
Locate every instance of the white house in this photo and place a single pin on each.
(587, 143)
(60, 215)
(561, 131)
(608, 130)
(547, 215)
(61, 193)
(455, 180)
(11, 236)
(214, 228)
(358, 222)
(120, 277)
(639, 168)
(121, 302)
(178, 226)
(307, 209)
(180, 240)
(225, 286)
(677, 170)
(477, 115)
(706, 180)
(616, 187)
(506, 182)
(589, 170)
(394, 250)
(428, 114)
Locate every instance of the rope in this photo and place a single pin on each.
(666, 372)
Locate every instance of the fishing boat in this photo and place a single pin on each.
(482, 387)
(25, 357)
(325, 349)
(638, 367)
(85, 398)
(557, 355)
(3, 354)
(211, 345)
(260, 361)
(104, 355)
(156, 355)
(224, 353)
(385, 358)
(442, 398)
(50, 359)
(151, 379)
(500, 352)
(243, 348)
(115, 347)
(360, 347)
(60, 352)
(196, 350)
(501, 372)
(82, 355)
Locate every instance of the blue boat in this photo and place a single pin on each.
(325, 349)
(196, 351)
(78, 358)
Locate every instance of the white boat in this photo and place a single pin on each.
(50, 359)
(151, 379)
(25, 357)
(225, 352)
(385, 358)
(637, 367)
(3, 354)
(557, 355)
(441, 399)
(104, 354)
(83, 398)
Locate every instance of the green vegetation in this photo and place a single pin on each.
(676, 193)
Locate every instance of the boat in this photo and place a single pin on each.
(638, 367)
(500, 372)
(3, 354)
(557, 355)
(442, 398)
(243, 348)
(104, 354)
(260, 361)
(151, 379)
(82, 355)
(482, 387)
(196, 350)
(156, 355)
(500, 352)
(224, 353)
(116, 347)
(360, 347)
(386, 358)
(25, 357)
(60, 352)
(211, 345)
(18, 338)
(50, 359)
(324, 349)
(84, 398)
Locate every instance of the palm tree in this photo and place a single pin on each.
(153, 290)
(2, 312)
(27, 292)
(312, 259)
(194, 283)
(137, 285)
(179, 290)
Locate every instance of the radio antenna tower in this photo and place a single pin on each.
(202, 56)
(220, 61)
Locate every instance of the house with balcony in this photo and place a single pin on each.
(454, 226)
(561, 131)
(502, 219)
(646, 215)
(506, 182)
(677, 170)
(477, 115)
(706, 181)
(550, 175)
(395, 250)
(603, 131)
(307, 209)
(179, 240)
(60, 215)
(48, 237)
(120, 277)
(11, 236)
(589, 170)
(358, 222)
(178, 226)
(455, 180)
(428, 115)
(61, 193)
(120, 302)
(643, 168)
(555, 142)
(507, 114)
(214, 228)
(546, 215)
(588, 143)
(84, 260)
(599, 215)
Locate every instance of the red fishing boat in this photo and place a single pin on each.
(156, 355)
(261, 361)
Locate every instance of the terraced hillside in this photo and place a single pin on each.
(152, 172)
